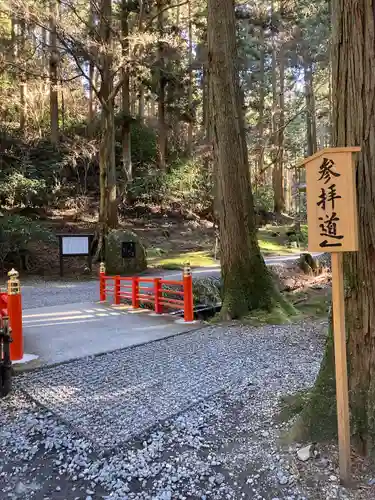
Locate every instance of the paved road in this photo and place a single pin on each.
(57, 334)
(53, 293)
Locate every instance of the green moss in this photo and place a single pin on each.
(277, 316)
(318, 419)
(311, 303)
(292, 405)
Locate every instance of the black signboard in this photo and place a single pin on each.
(128, 250)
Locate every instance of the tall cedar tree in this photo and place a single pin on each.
(247, 282)
(353, 125)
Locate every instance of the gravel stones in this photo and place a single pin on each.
(223, 445)
(114, 397)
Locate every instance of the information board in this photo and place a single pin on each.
(75, 245)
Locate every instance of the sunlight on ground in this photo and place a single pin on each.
(177, 261)
(273, 248)
(273, 241)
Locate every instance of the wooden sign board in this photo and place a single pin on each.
(333, 227)
(331, 200)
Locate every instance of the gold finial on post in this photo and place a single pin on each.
(187, 269)
(13, 282)
(102, 268)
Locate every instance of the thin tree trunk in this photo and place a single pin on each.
(247, 282)
(162, 128)
(91, 111)
(125, 95)
(310, 106)
(190, 87)
(141, 103)
(53, 73)
(279, 199)
(23, 82)
(274, 109)
(261, 177)
(107, 161)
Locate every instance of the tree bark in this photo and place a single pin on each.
(23, 82)
(353, 95)
(190, 88)
(91, 80)
(53, 73)
(125, 95)
(274, 117)
(260, 127)
(310, 106)
(141, 103)
(247, 282)
(278, 186)
(162, 128)
(107, 160)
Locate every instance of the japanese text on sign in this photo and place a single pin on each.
(329, 220)
(331, 201)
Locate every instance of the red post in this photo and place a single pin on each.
(157, 293)
(102, 293)
(15, 315)
(135, 293)
(117, 288)
(188, 294)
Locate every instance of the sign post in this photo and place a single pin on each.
(333, 227)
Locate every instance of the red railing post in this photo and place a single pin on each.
(15, 315)
(117, 288)
(188, 294)
(102, 294)
(135, 293)
(157, 292)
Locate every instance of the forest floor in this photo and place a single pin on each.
(170, 240)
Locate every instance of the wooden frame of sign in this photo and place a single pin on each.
(332, 219)
(75, 245)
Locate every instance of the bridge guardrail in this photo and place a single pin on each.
(137, 291)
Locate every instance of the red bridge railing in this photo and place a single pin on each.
(11, 307)
(139, 291)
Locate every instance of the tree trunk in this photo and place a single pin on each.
(23, 83)
(247, 282)
(279, 199)
(162, 128)
(353, 95)
(141, 103)
(107, 160)
(53, 73)
(310, 106)
(260, 127)
(190, 87)
(125, 96)
(91, 111)
(274, 112)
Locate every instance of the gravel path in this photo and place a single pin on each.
(225, 446)
(113, 397)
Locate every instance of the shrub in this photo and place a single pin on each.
(17, 234)
(18, 190)
(263, 198)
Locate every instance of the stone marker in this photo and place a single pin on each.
(124, 253)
